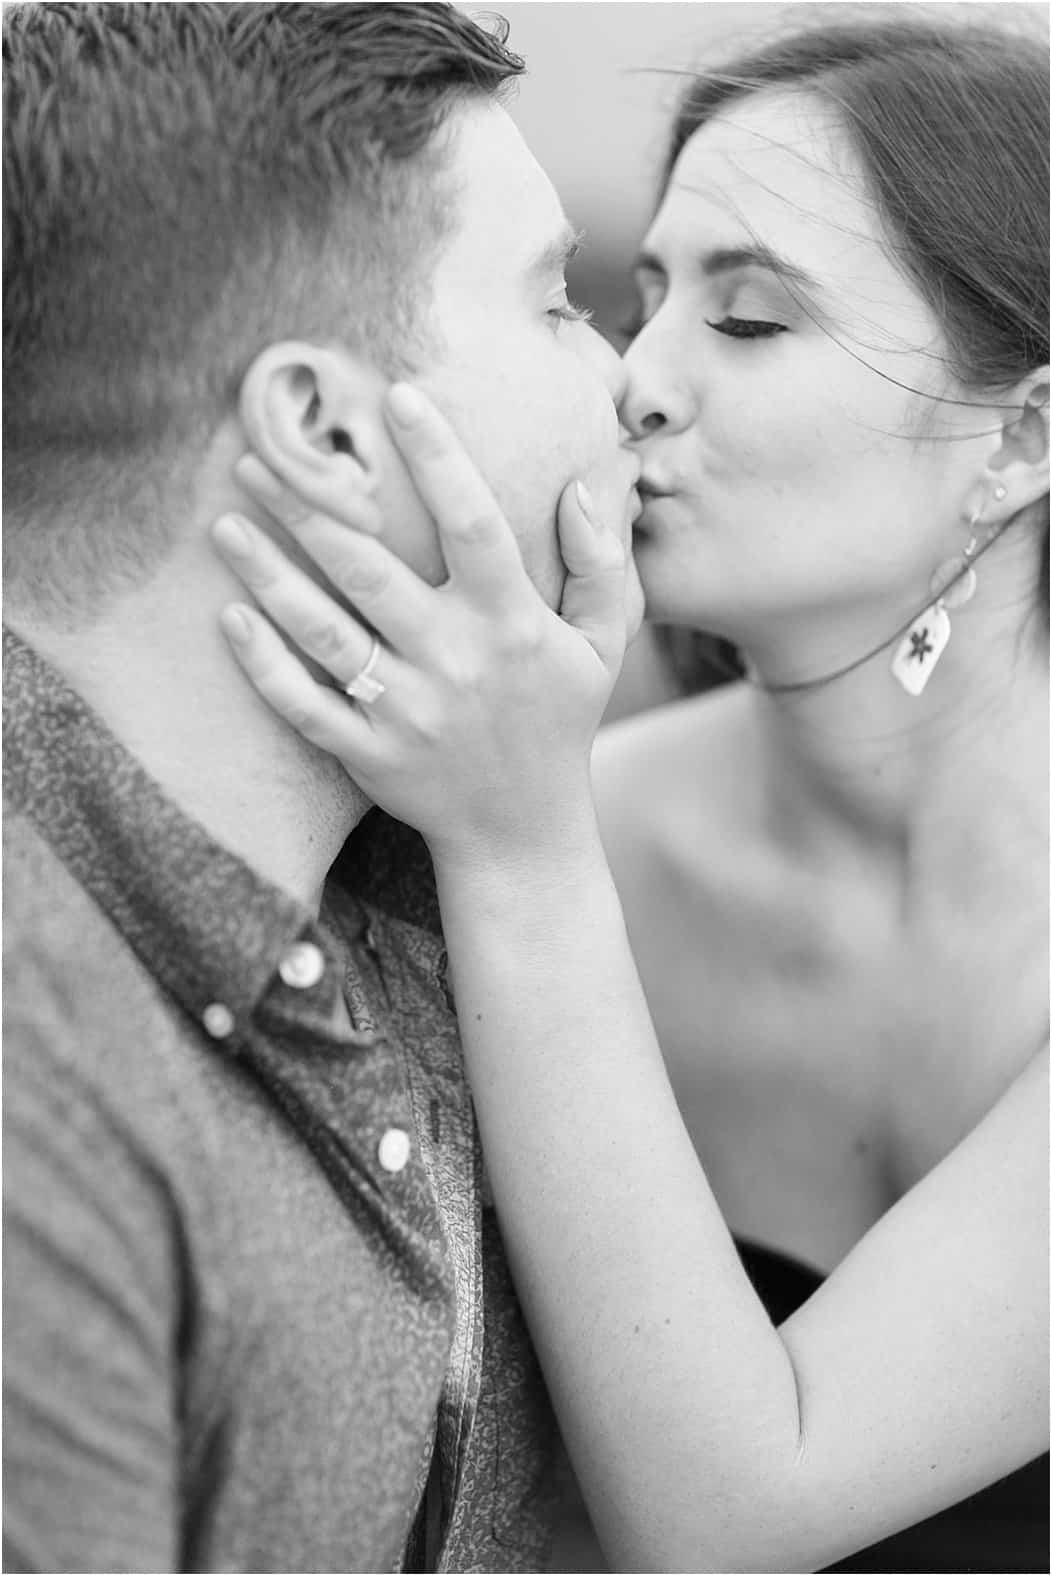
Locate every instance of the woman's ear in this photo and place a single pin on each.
(314, 416)
(1021, 462)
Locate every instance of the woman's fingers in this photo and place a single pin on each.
(396, 602)
(593, 599)
(480, 549)
(320, 715)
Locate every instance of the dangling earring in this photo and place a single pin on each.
(952, 585)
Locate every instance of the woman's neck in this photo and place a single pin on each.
(911, 782)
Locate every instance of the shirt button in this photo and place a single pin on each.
(218, 1021)
(394, 1150)
(302, 966)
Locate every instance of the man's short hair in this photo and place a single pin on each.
(184, 184)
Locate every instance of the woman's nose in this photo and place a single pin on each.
(640, 425)
(652, 399)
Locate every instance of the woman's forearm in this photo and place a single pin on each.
(676, 1395)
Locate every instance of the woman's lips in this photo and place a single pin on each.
(650, 496)
(648, 488)
(655, 515)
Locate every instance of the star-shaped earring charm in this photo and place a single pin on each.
(920, 645)
(920, 648)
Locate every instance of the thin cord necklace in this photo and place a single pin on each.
(800, 685)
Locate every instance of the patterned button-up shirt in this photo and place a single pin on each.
(254, 1302)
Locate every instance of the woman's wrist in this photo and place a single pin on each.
(535, 851)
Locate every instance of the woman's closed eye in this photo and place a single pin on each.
(732, 327)
(746, 327)
(630, 327)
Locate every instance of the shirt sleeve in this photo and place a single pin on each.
(90, 1321)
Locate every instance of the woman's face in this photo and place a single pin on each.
(791, 472)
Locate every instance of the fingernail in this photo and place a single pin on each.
(405, 404)
(232, 531)
(236, 624)
(584, 498)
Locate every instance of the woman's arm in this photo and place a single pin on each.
(703, 1437)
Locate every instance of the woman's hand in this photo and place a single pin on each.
(490, 701)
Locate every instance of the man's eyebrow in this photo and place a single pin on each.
(726, 259)
(556, 254)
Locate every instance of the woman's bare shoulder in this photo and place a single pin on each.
(665, 778)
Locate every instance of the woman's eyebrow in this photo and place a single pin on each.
(726, 259)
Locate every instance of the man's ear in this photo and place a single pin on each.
(1021, 461)
(313, 415)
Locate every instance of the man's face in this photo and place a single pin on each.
(531, 394)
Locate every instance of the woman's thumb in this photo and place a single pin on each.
(593, 599)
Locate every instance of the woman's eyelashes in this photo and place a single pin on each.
(746, 327)
(730, 324)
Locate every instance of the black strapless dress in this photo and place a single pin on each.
(1003, 1528)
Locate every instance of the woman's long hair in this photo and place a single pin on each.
(951, 121)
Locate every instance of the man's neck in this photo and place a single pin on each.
(160, 676)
